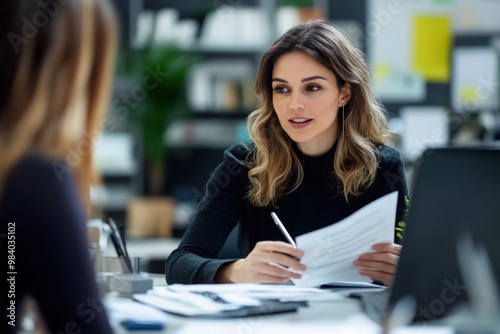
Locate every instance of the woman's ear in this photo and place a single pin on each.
(345, 94)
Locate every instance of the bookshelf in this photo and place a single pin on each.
(219, 89)
(228, 39)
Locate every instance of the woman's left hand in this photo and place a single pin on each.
(380, 264)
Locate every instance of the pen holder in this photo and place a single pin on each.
(116, 276)
(111, 264)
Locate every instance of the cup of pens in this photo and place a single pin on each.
(123, 272)
(119, 265)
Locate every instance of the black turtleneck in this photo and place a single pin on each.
(316, 203)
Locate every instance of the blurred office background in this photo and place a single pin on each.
(184, 86)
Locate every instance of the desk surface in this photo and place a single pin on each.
(326, 314)
(335, 316)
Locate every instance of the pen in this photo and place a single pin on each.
(282, 229)
(133, 325)
(120, 246)
(114, 227)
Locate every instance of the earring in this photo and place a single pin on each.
(343, 121)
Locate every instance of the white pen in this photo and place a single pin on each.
(282, 229)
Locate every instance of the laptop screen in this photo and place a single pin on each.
(455, 191)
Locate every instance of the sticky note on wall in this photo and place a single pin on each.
(432, 36)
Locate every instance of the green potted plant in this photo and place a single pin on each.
(163, 75)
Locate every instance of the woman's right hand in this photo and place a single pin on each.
(268, 262)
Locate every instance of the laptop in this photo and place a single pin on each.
(455, 193)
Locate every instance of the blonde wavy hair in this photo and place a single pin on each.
(362, 121)
(56, 75)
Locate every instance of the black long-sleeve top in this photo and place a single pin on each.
(44, 231)
(316, 203)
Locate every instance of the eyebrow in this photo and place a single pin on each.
(303, 80)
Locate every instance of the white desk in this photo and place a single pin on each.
(338, 316)
(319, 317)
(328, 314)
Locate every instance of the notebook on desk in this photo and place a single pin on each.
(456, 192)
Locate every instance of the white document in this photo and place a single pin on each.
(249, 294)
(120, 309)
(331, 251)
(222, 299)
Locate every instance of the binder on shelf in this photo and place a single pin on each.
(221, 86)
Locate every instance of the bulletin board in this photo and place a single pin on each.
(409, 43)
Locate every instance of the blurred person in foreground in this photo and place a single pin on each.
(56, 62)
(316, 155)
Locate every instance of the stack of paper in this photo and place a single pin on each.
(231, 300)
(331, 251)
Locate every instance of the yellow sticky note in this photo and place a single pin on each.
(432, 38)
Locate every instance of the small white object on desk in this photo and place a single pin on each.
(129, 284)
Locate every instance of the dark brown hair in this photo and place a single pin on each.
(362, 123)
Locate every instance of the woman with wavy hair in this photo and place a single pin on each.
(316, 155)
(56, 62)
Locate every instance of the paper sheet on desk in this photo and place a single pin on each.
(127, 309)
(228, 301)
(249, 294)
(331, 251)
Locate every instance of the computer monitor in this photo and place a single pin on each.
(455, 192)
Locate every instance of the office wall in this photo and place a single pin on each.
(413, 48)
(386, 35)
